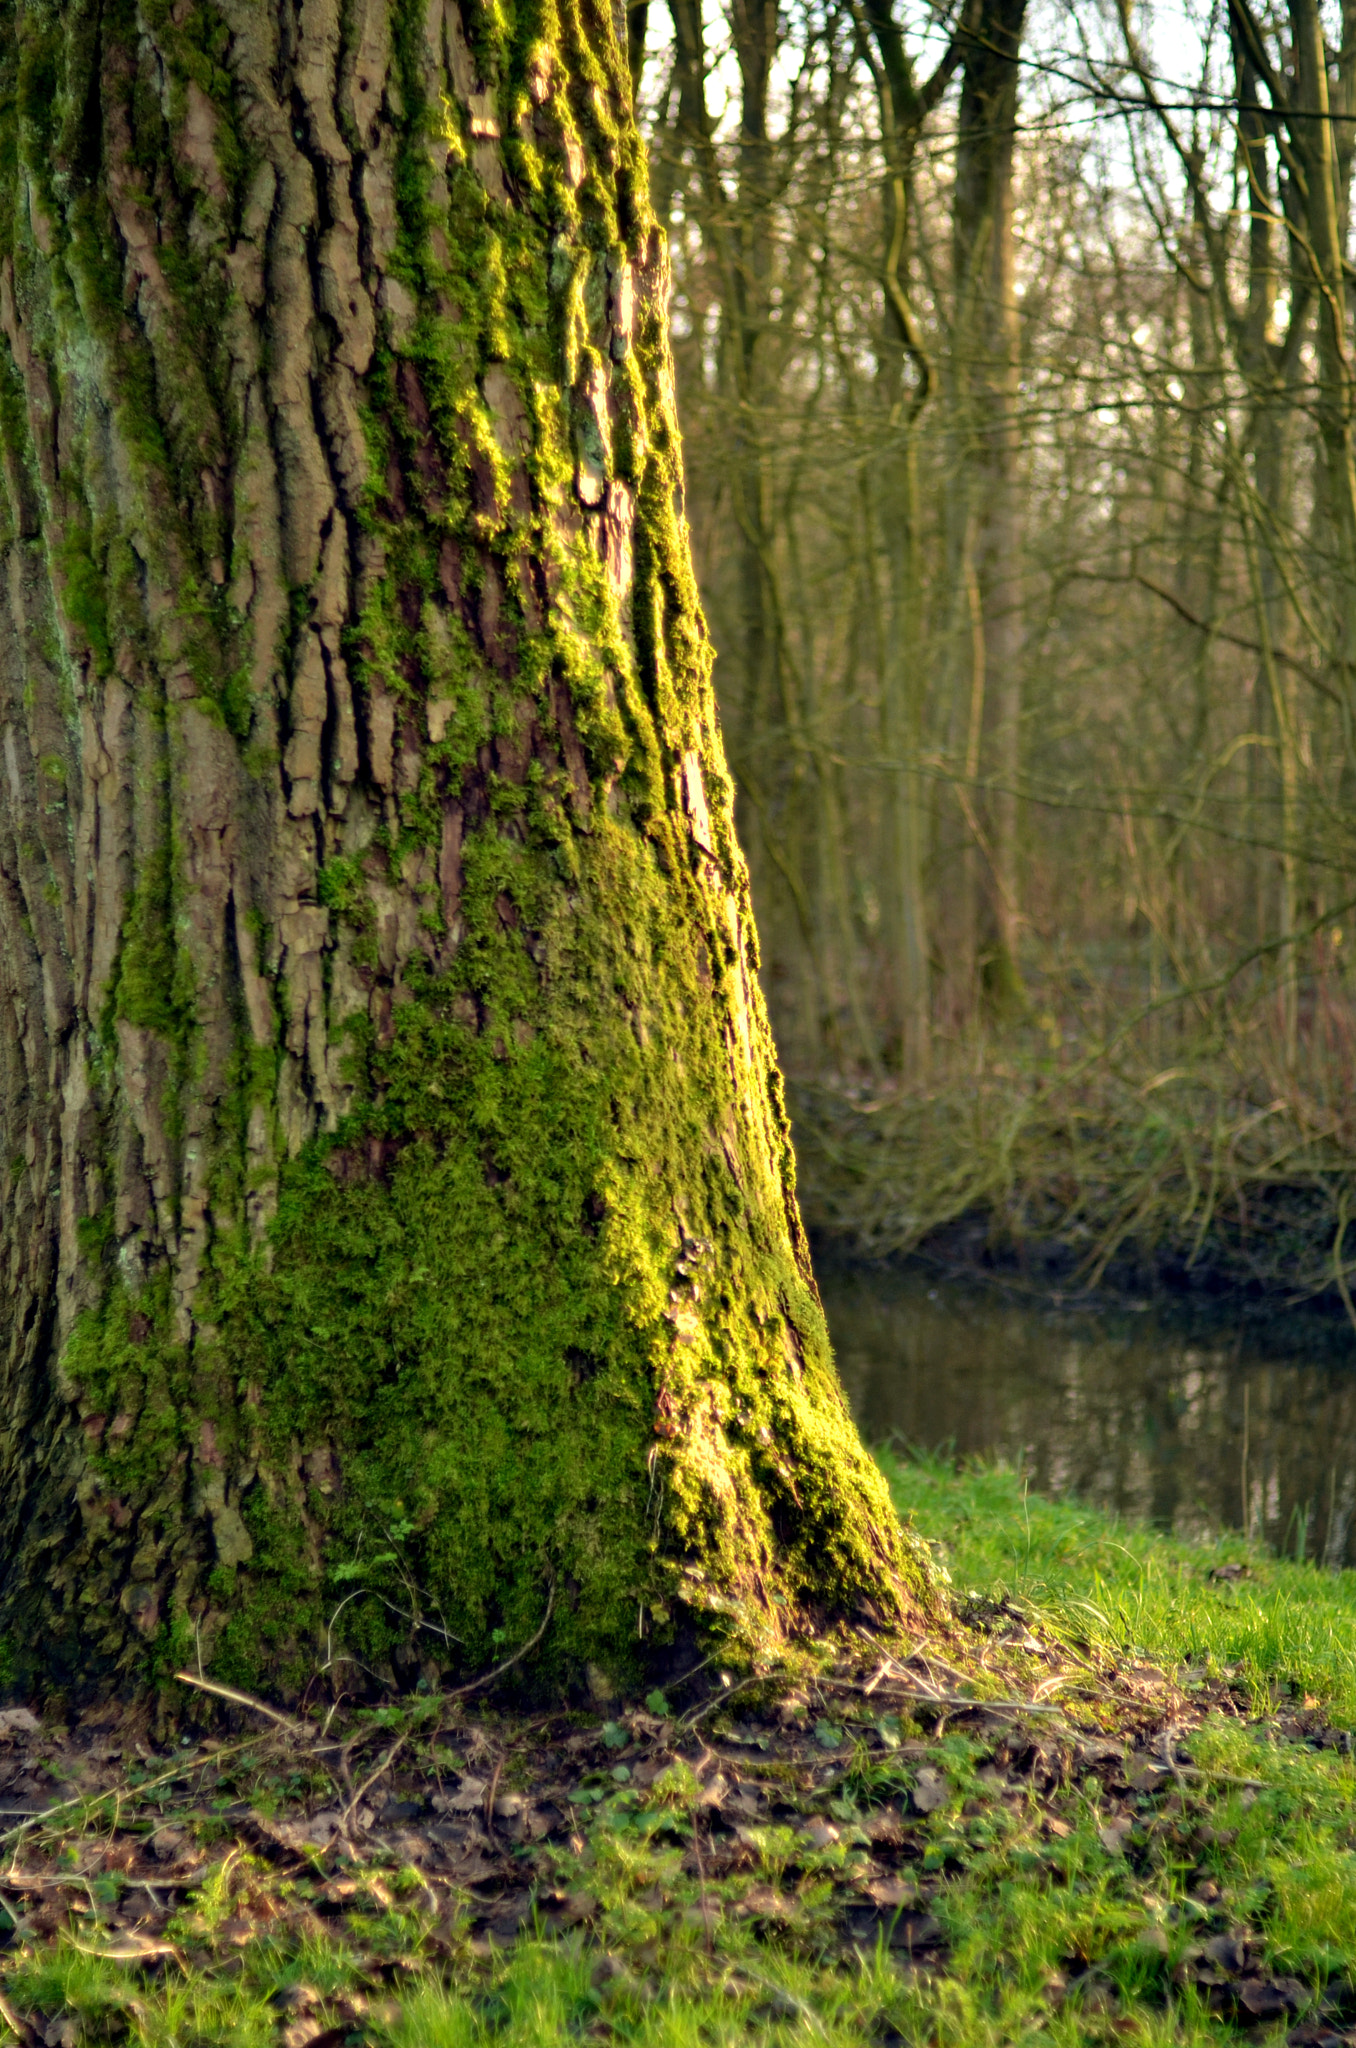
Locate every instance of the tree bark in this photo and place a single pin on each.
(398, 1201)
(988, 347)
(905, 105)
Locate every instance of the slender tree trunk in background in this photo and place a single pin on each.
(637, 29)
(1316, 155)
(765, 687)
(904, 900)
(957, 858)
(988, 338)
(737, 229)
(395, 1175)
(904, 106)
(1267, 365)
(909, 995)
(1313, 137)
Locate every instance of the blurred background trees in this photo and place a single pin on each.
(1016, 360)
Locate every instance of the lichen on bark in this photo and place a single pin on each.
(399, 1220)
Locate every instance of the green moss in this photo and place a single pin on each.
(153, 985)
(84, 596)
(341, 888)
(470, 1309)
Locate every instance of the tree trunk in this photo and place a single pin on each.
(1313, 136)
(904, 106)
(988, 342)
(397, 1196)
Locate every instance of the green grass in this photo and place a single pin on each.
(1052, 1936)
(1132, 1592)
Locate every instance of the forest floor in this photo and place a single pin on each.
(1116, 1801)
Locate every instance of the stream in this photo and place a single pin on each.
(1193, 1419)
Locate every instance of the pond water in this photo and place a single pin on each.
(1192, 1420)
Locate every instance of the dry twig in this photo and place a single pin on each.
(489, 1677)
(19, 2027)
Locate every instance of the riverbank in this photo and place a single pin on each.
(1087, 1176)
(1113, 1802)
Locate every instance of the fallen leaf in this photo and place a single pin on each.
(469, 1795)
(1270, 1997)
(893, 1891)
(1228, 1950)
(930, 1791)
(1099, 1752)
(820, 1834)
(764, 1902)
(1114, 1836)
(295, 1997)
(570, 1909)
(1267, 1998)
(508, 1918)
(306, 2032)
(19, 1721)
(885, 1827)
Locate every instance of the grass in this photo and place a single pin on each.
(1157, 1859)
(1132, 1592)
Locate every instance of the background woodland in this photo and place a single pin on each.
(1016, 364)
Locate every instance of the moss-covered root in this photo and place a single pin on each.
(381, 1045)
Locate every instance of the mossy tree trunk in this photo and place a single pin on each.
(396, 1203)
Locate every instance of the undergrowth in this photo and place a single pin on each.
(1196, 1168)
(1118, 1802)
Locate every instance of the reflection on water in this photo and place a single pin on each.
(1188, 1421)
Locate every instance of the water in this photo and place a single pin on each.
(1192, 1421)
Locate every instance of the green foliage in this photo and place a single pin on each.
(1133, 1592)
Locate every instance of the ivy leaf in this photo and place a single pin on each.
(828, 1735)
(614, 1735)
